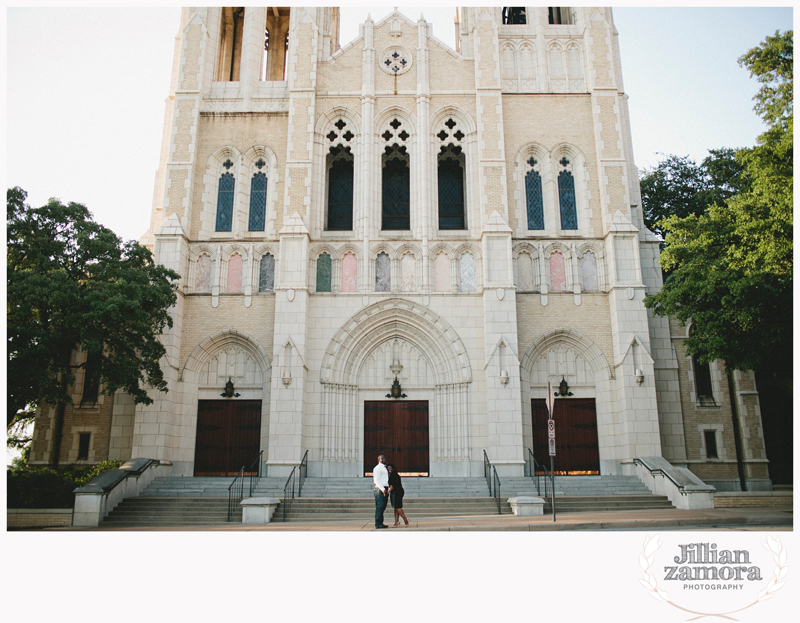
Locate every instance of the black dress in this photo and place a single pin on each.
(397, 490)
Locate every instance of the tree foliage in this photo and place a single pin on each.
(731, 265)
(678, 186)
(73, 284)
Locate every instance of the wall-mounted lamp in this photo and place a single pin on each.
(638, 376)
(229, 391)
(287, 377)
(396, 391)
(563, 389)
(504, 377)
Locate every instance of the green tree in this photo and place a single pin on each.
(678, 186)
(72, 283)
(730, 267)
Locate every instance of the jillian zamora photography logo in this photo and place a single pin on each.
(716, 576)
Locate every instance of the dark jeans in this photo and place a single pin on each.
(380, 506)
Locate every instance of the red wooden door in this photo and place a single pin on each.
(228, 435)
(576, 435)
(399, 431)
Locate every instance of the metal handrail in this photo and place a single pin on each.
(255, 476)
(302, 472)
(533, 466)
(231, 490)
(492, 479)
(286, 499)
(240, 479)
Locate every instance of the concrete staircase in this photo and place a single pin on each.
(173, 501)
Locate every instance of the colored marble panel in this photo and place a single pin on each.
(525, 272)
(324, 273)
(589, 266)
(383, 273)
(466, 267)
(558, 277)
(202, 282)
(441, 273)
(234, 282)
(409, 266)
(266, 274)
(349, 273)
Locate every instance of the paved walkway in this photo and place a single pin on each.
(772, 519)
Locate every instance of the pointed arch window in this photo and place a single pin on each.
(396, 189)
(324, 273)
(225, 200)
(566, 197)
(340, 189)
(558, 273)
(451, 188)
(258, 200)
(534, 200)
(203, 271)
(349, 273)
(266, 274)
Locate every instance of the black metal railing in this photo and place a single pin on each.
(534, 470)
(296, 479)
(288, 494)
(302, 473)
(235, 492)
(236, 488)
(255, 475)
(492, 479)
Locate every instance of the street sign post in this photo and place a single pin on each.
(551, 442)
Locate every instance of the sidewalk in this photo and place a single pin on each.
(772, 519)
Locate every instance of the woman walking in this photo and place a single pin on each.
(396, 495)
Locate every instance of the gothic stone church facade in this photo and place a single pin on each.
(465, 221)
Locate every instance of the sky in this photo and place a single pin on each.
(86, 90)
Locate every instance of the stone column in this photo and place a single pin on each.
(637, 414)
(503, 405)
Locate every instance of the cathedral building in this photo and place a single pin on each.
(452, 227)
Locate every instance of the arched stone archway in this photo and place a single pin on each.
(233, 355)
(431, 362)
(569, 354)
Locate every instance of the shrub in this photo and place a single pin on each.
(45, 487)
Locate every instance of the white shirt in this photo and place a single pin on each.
(380, 476)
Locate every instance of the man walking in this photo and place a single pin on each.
(380, 477)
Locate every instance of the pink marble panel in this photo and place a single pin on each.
(234, 273)
(558, 277)
(349, 273)
(441, 273)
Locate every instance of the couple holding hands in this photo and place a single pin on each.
(387, 485)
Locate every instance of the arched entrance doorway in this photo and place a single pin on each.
(419, 433)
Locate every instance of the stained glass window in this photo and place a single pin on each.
(225, 202)
(258, 202)
(266, 274)
(324, 273)
(566, 199)
(451, 194)
(383, 273)
(396, 187)
(340, 190)
(533, 197)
